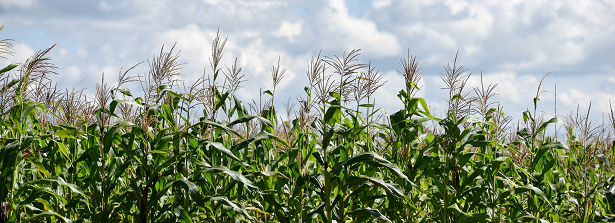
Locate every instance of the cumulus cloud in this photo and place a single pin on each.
(21, 4)
(510, 86)
(514, 42)
(72, 72)
(288, 30)
(22, 53)
(252, 3)
(356, 32)
(381, 3)
(520, 36)
(600, 100)
(194, 43)
(251, 51)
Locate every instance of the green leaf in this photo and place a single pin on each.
(192, 189)
(221, 100)
(463, 159)
(457, 97)
(47, 213)
(263, 135)
(520, 190)
(220, 147)
(610, 197)
(411, 84)
(375, 160)
(603, 159)
(9, 67)
(320, 210)
(114, 104)
(333, 114)
(389, 188)
(68, 133)
(237, 208)
(545, 124)
(182, 215)
(528, 218)
(374, 213)
(126, 92)
(233, 174)
(467, 217)
(63, 150)
(473, 119)
(39, 165)
(268, 174)
(247, 118)
(223, 127)
(60, 181)
(40, 193)
(527, 116)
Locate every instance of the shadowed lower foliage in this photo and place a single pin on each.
(171, 152)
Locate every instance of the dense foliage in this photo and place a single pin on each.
(197, 153)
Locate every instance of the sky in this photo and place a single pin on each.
(513, 43)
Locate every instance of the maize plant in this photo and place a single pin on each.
(165, 151)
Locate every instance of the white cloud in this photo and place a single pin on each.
(213, 2)
(432, 37)
(387, 96)
(250, 3)
(63, 54)
(510, 86)
(71, 73)
(262, 4)
(349, 31)
(258, 60)
(524, 36)
(22, 53)
(471, 50)
(435, 59)
(600, 100)
(105, 6)
(194, 43)
(22, 4)
(479, 22)
(254, 56)
(289, 30)
(537, 59)
(514, 42)
(381, 3)
(456, 6)
(82, 52)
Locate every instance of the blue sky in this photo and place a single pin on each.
(514, 43)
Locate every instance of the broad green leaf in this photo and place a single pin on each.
(389, 188)
(237, 208)
(220, 147)
(233, 174)
(45, 214)
(374, 213)
(60, 181)
(545, 124)
(467, 217)
(114, 104)
(9, 67)
(68, 133)
(520, 190)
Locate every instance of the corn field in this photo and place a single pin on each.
(171, 152)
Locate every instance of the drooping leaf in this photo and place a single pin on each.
(374, 213)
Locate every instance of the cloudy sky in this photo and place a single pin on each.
(513, 43)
